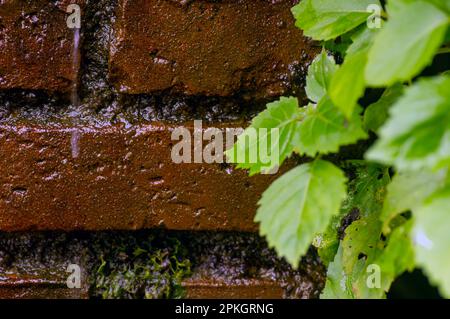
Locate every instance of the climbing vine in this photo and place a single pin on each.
(386, 213)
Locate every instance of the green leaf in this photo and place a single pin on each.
(328, 242)
(366, 194)
(319, 76)
(396, 6)
(398, 256)
(339, 47)
(447, 36)
(444, 5)
(390, 262)
(338, 284)
(407, 191)
(349, 281)
(360, 241)
(417, 135)
(406, 44)
(325, 129)
(283, 115)
(376, 114)
(363, 250)
(328, 19)
(431, 237)
(362, 40)
(299, 205)
(362, 244)
(348, 83)
(361, 279)
(368, 188)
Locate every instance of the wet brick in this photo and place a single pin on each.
(62, 177)
(207, 47)
(36, 45)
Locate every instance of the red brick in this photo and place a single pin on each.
(36, 45)
(206, 47)
(37, 287)
(245, 289)
(111, 177)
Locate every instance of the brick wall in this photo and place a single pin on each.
(142, 69)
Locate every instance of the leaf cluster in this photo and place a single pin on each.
(401, 191)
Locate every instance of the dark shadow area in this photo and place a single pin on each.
(413, 286)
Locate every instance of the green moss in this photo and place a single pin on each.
(146, 268)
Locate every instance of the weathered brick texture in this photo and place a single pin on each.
(18, 286)
(57, 174)
(246, 289)
(36, 45)
(92, 178)
(222, 265)
(115, 178)
(37, 287)
(206, 47)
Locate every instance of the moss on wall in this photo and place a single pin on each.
(143, 268)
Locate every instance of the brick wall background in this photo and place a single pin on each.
(142, 69)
